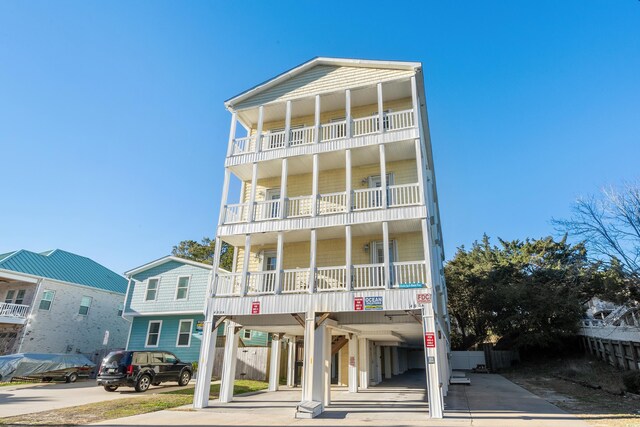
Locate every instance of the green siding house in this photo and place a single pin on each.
(165, 305)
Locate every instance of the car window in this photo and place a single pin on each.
(170, 358)
(140, 358)
(156, 358)
(115, 359)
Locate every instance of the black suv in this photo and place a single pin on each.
(140, 369)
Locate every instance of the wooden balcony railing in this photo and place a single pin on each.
(19, 311)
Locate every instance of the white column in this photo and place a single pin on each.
(348, 184)
(291, 362)
(378, 353)
(387, 362)
(205, 363)
(259, 130)
(353, 363)
(395, 363)
(274, 368)
(232, 133)
(317, 119)
(347, 102)
(380, 108)
(279, 255)
(415, 103)
(287, 124)
(313, 377)
(283, 188)
(363, 363)
(314, 186)
(420, 168)
(326, 347)
(225, 195)
(383, 176)
(312, 261)
(228, 376)
(213, 284)
(387, 261)
(252, 194)
(234, 265)
(434, 386)
(347, 250)
(245, 263)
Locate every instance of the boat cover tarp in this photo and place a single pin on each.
(28, 364)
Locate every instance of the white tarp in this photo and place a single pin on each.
(28, 364)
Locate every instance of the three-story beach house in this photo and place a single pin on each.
(336, 230)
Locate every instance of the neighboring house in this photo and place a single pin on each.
(59, 302)
(165, 305)
(336, 229)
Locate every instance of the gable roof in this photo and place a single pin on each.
(274, 88)
(165, 260)
(64, 266)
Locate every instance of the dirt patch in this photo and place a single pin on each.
(587, 388)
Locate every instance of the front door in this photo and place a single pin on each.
(269, 263)
(376, 182)
(377, 257)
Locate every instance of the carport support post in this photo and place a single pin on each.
(229, 362)
(434, 388)
(326, 381)
(395, 363)
(353, 363)
(205, 364)
(274, 369)
(363, 363)
(313, 377)
(291, 362)
(387, 362)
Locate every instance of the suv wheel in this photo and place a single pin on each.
(143, 383)
(111, 387)
(185, 377)
(71, 378)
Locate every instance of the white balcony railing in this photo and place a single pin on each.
(295, 280)
(332, 203)
(261, 282)
(398, 120)
(238, 212)
(302, 136)
(368, 276)
(266, 209)
(229, 284)
(410, 274)
(404, 195)
(331, 278)
(367, 198)
(273, 140)
(366, 125)
(243, 145)
(334, 130)
(19, 311)
(299, 206)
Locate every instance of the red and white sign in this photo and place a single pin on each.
(430, 340)
(358, 303)
(423, 298)
(255, 307)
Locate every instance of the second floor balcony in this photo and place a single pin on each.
(13, 313)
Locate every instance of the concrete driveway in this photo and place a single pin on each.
(27, 399)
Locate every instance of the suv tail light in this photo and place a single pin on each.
(130, 370)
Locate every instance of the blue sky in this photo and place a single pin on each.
(113, 129)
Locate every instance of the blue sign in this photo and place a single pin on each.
(373, 303)
(411, 285)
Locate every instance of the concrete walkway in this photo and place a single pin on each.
(491, 400)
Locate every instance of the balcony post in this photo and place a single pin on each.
(252, 194)
(283, 188)
(317, 120)
(387, 261)
(347, 237)
(259, 130)
(415, 103)
(383, 176)
(314, 187)
(245, 263)
(225, 195)
(347, 102)
(280, 251)
(428, 256)
(348, 184)
(380, 109)
(420, 167)
(234, 266)
(287, 124)
(312, 261)
(232, 133)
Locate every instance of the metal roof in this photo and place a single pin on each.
(64, 266)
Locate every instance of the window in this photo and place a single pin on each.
(153, 333)
(140, 358)
(10, 294)
(247, 334)
(182, 290)
(47, 300)
(170, 358)
(152, 290)
(20, 297)
(184, 333)
(84, 305)
(156, 358)
(120, 309)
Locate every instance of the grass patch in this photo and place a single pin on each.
(6, 384)
(125, 407)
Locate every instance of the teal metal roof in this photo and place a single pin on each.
(64, 266)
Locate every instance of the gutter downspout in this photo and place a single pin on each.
(33, 305)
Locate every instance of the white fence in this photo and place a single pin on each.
(466, 360)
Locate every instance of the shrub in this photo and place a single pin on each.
(631, 381)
